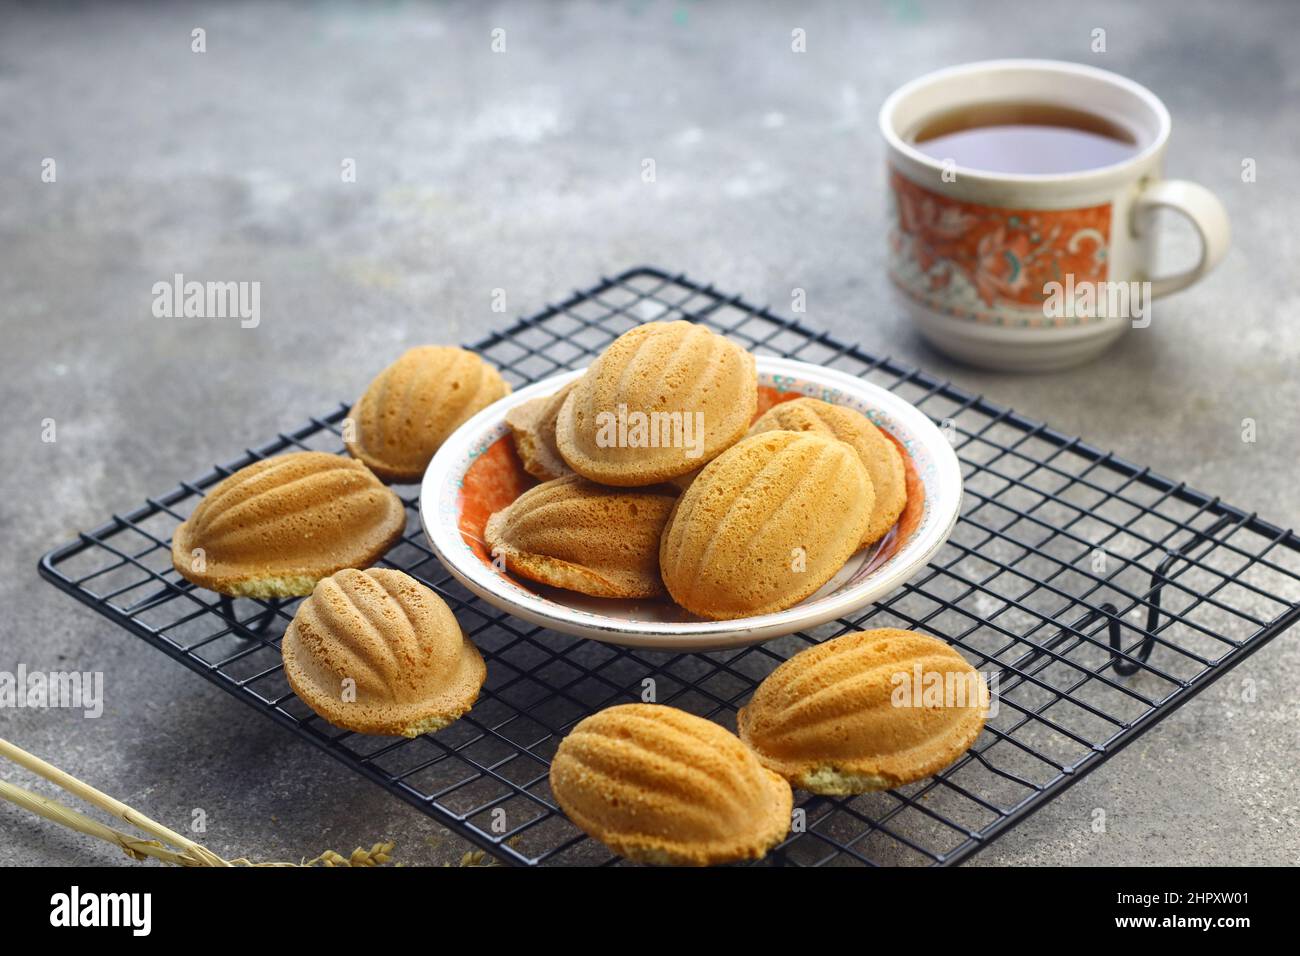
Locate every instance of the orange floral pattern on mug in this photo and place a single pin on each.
(987, 263)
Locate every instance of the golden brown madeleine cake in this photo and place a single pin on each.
(376, 652)
(575, 534)
(881, 456)
(865, 711)
(533, 425)
(277, 527)
(658, 785)
(411, 407)
(766, 524)
(662, 400)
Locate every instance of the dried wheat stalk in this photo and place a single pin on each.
(181, 852)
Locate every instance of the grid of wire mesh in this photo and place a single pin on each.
(1097, 595)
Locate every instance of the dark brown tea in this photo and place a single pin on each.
(1024, 137)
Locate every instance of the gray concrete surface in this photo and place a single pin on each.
(521, 171)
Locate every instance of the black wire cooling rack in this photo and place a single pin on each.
(1099, 595)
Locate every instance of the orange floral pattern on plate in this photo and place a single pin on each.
(988, 263)
(497, 477)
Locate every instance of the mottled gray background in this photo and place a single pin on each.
(521, 171)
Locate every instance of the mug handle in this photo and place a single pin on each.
(1206, 213)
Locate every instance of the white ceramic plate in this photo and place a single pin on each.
(482, 447)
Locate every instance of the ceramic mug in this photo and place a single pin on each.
(995, 268)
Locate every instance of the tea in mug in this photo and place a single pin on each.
(1024, 138)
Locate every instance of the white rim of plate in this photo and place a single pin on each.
(932, 455)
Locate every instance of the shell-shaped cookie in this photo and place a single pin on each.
(411, 407)
(533, 425)
(574, 534)
(377, 652)
(661, 400)
(766, 524)
(866, 711)
(658, 785)
(276, 527)
(881, 456)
